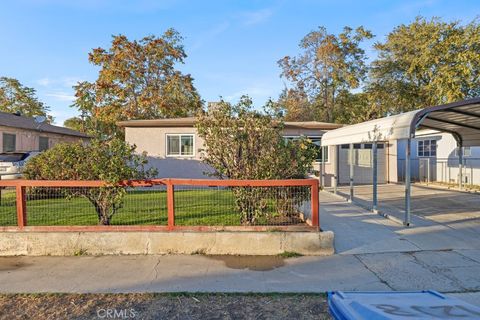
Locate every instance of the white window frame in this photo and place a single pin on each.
(430, 151)
(180, 146)
(308, 137)
(465, 153)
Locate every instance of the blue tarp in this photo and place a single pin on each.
(398, 305)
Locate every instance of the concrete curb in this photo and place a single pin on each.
(119, 243)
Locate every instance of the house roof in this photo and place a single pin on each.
(28, 123)
(190, 122)
(461, 119)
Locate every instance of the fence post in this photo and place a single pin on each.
(21, 207)
(315, 204)
(170, 204)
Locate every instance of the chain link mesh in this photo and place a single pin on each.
(193, 206)
(8, 208)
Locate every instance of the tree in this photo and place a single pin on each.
(327, 66)
(427, 62)
(294, 105)
(15, 97)
(242, 143)
(75, 123)
(111, 161)
(356, 107)
(137, 80)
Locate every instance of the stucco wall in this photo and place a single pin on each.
(28, 140)
(153, 141)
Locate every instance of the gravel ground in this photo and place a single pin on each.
(163, 306)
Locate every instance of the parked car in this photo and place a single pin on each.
(12, 164)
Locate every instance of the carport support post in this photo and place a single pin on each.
(322, 168)
(375, 177)
(460, 165)
(351, 172)
(335, 170)
(407, 182)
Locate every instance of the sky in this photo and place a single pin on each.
(232, 46)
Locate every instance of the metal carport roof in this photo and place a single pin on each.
(461, 119)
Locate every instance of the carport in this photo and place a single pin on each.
(460, 119)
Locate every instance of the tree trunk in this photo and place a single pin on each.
(102, 213)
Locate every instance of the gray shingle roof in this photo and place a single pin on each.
(190, 122)
(16, 121)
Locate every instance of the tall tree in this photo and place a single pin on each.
(426, 62)
(15, 97)
(137, 80)
(328, 65)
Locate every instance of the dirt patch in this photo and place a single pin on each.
(9, 264)
(254, 263)
(164, 306)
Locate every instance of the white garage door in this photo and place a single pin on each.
(362, 163)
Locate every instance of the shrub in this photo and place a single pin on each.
(243, 143)
(111, 161)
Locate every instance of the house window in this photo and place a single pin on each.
(467, 152)
(316, 141)
(180, 145)
(9, 142)
(427, 148)
(43, 143)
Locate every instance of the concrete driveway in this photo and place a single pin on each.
(455, 209)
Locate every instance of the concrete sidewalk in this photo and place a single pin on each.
(373, 254)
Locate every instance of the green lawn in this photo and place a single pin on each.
(213, 207)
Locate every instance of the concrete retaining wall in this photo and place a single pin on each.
(115, 243)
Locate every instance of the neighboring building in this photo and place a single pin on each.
(435, 158)
(172, 144)
(19, 133)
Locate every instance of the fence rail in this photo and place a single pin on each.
(160, 205)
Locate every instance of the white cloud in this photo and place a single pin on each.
(61, 96)
(44, 82)
(70, 81)
(66, 82)
(209, 35)
(255, 17)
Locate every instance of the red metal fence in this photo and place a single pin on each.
(299, 195)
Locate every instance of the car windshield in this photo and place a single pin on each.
(13, 157)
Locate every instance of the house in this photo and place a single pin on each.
(172, 144)
(20, 133)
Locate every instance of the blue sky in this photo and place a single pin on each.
(232, 46)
